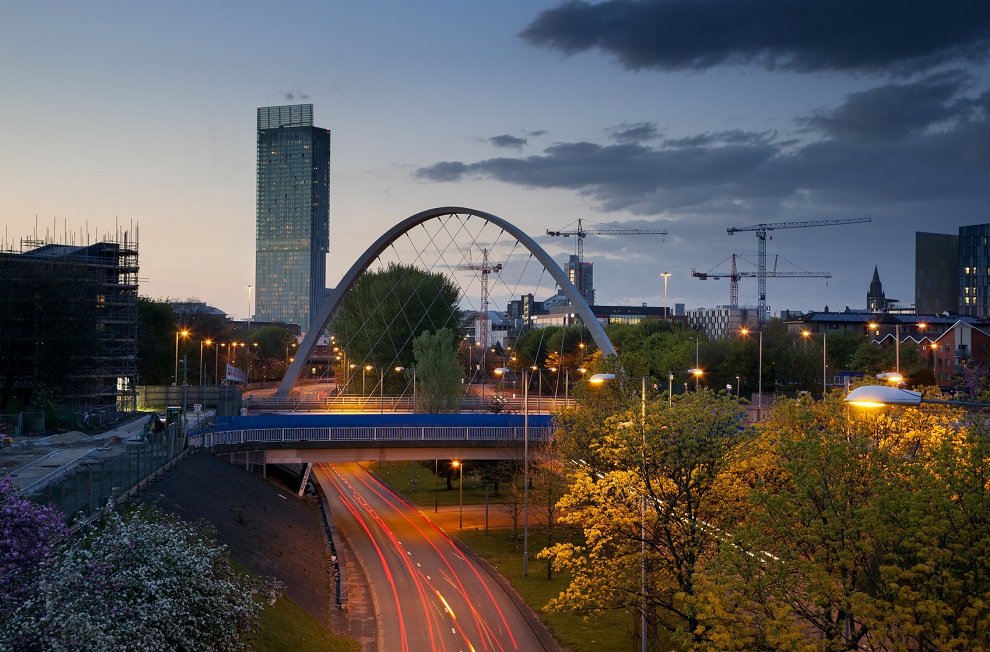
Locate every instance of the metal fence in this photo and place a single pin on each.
(84, 495)
(380, 434)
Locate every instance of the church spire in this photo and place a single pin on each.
(875, 300)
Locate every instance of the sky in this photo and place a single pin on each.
(690, 116)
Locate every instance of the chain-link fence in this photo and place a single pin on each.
(83, 494)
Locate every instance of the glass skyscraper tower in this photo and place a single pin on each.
(293, 214)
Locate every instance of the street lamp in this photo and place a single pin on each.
(697, 372)
(759, 388)
(364, 371)
(873, 396)
(505, 370)
(665, 276)
(460, 489)
(598, 379)
(806, 333)
(897, 343)
(183, 333)
(399, 370)
(201, 368)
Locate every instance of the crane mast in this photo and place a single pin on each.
(484, 269)
(734, 277)
(761, 238)
(581, 233)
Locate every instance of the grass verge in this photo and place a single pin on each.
(287, 626)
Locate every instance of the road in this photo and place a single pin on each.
(427, 594)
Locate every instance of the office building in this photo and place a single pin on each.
(582, 276)
(293, 215)
(936, 273)
(974, 271)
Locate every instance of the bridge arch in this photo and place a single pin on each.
(322, 319)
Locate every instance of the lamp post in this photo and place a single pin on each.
(873, 396)
(399, 370)
(216, 363)
(697, 372)
(505, 370)
(598, 379)
(202, 369)
(665, 276)
(183, 333)
(738, 382)
(759, 387)
(364, 371)
(807, 333)
(460, 489)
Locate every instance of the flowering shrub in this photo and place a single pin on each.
(144, 581)
(28, 537)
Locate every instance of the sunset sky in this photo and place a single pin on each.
(688, 116)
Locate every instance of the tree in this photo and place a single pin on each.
(145, 581)
(386, 310)
(438, 375)
(662, 493)
(156, 341)
(874, 535)
(269, 345)
(29, 536)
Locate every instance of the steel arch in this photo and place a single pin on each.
(333, 301)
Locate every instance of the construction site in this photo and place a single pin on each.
(69, 327)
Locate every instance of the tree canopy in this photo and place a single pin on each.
(385, 311)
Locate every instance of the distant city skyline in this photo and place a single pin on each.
(549, 112)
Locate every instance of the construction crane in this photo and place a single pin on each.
(484, 269)
(761, 236)
(734, 277)
(581, 233)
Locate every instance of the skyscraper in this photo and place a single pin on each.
(936, 273)
(974, 270)
(293, 214)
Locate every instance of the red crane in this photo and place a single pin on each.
(734, 277)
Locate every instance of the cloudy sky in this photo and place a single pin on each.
(691, 116)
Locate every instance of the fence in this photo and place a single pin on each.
(22, 423)
(82, 496)
(226, 399)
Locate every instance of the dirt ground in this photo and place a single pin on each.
(264, 524)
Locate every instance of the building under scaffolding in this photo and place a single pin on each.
(70, 322)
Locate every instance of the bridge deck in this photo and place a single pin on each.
(298, 438)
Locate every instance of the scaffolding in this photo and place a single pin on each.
(103, 278)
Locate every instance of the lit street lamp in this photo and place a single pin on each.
(807, 333)
(598, 379)
(460, 489)
(364, 371)
(400, 370)
(505, 370)
(183, 333)
(697, 372)
(665, 276)
(759, 389)
(202, 369)
(873, 396)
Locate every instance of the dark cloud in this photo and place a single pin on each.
(875, 36)
(509, 142)
(291, 96)
(639, 132)
(895, 111)
(537, 133)
(916, 142)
